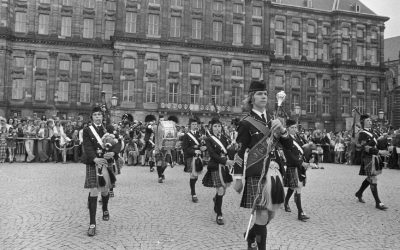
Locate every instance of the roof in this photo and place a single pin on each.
(331, 5)
(392, 48)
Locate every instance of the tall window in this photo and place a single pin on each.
(217, 31)
(279, 25)
(154, 1)
(311, 50)
(237, 33)
(374, 86)
(196, 28)
(45, 1)
(151, 91)
(295, 100)
(295, 48)
(256, 35)
(278, 80)
(63, 91)
(325, 53)
(19, 62)
(108, 67)
(64, 65)
(218, 7)
(326, 84)
(176, 3)
(311, 83)
(256, 73)
(296, 27)
(197, 4)
(346, 105)
(374, 55)
(175, 28)
(325, 30)
(236, 71)
(311, 28)
(374, 34)
(20, 22)
(18, 86)
(129, 63)
(130, 24)
(236, 97)
(311, 104)
(216, 70)
(173, 92)
(345, 31)
(194, 94)
(152, 65)
(216, 94)
(279, 46)
(360, 33)
(361, 105)
(345, 52)
(325, 105)
(153, 26)
(174, 66)
(360, 85)
(84, 96)
(238, 8)
(67, 2)
(41, 63)
(66, 26)
(257, 11)
(40, 90)
(345, 84)
(110, 28)
(88, 28)
(360, 54)
(374, 107)
(43, 24)
(86, 67)
(107, 88)
(89, 4)
(195, 68)
(295, 82)
(128, 91)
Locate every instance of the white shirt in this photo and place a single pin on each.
(261, 113)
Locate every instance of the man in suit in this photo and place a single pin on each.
(92, 144)
(192, 148)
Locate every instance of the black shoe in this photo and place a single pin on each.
(360, 199)
(195, 199)
(287, 208)
(163, 177)
(106, 216)
(92, 230)
(303, 217)
(251, 242)
(160, 180)
(381, 206)
(151, 169)
(220, 220)
(111, 193)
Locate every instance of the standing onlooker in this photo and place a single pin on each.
(29, 132)
(339, 149)
(20, 152)
(43, 135)
(3, 143)
(51, 149)
(11, 143)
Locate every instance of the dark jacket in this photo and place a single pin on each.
(189, 146)
(217, 155)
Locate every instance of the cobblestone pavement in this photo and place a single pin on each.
(43, 206)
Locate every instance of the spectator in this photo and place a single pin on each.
(42, 144)
(3, 143)
(29, 132)
(11, 144)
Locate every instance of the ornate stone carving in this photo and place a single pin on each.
(30, 53)
(185, 58)
(227, 61)
(206, 59)
(141, 54)
(163, 56)
(53, 54)
(117, 52)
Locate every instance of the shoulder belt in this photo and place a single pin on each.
(257, 124)
(96, 135)
(193, 138)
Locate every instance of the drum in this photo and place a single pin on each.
(166, 135)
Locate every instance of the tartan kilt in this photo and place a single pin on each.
(91, 177)
(250, 193)
(188, 165)
(211, 179)
(291, 179)
(367, 171)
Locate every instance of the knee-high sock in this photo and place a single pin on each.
(193, 186)
(92, 209)
(364, 186)
(105, 202)
(288, 195)
(374, 190)
(151, 164)
(218, 203)
(298, 202)
(160, 171)
(261, 236)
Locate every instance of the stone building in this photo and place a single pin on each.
(176, 57)
(392, 63)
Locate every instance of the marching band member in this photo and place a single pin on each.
(296, 170)
(371, 163)
(149, 140)
(218, 167)
(92, 143)
(251, 130)
(192, 149)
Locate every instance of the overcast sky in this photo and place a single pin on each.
(389, 8)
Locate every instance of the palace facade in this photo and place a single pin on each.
(178, 57)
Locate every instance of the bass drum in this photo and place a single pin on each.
(166, 135)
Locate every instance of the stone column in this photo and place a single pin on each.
(247, 29)
(52, 83)
(267, 25)
(97, 80)
(3, 75)
(117, 83)
(75, 86)
(353, 91)
(227, 81)
(227, 28)
(206, 80)
(140, 87)
(288, 91)
(367, 95)
(247, 76)
(163, 89)
(29, 85)
(319, 97)
(185, 79)
(303, 91)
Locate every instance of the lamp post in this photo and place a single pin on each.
(103, 97)
(297, 111)
(381, 115)
(114, 102)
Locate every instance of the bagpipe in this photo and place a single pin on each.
(272, 194)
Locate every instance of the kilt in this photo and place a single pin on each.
(212, 178)
(91, 180)
(250, 193)
(3, 150)
(367, 171)
(291, 179)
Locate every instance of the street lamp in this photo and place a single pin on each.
(103, 97)
(297, 111)
(114, 102)
(381, 115)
